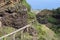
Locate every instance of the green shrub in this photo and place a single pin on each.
(26, 4)
(51, 19)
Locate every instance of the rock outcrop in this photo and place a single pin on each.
(43, 15)
(15, 16)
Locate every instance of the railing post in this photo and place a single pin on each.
(22, 35)
(13, 36)
(13, 33)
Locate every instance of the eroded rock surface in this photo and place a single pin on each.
(14, 16)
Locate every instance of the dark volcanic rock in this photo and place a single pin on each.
(14, 17)
(48, 16)
(43, 15)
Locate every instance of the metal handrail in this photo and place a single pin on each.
(17, 30)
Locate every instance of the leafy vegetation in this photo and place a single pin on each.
(52, 20)
(43, 32)
(26, 4)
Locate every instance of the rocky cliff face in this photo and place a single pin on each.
(15, 16)
(50, 18)
(43, 15)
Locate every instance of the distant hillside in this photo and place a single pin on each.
(35, 11)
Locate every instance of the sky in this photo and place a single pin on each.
(44, 4)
